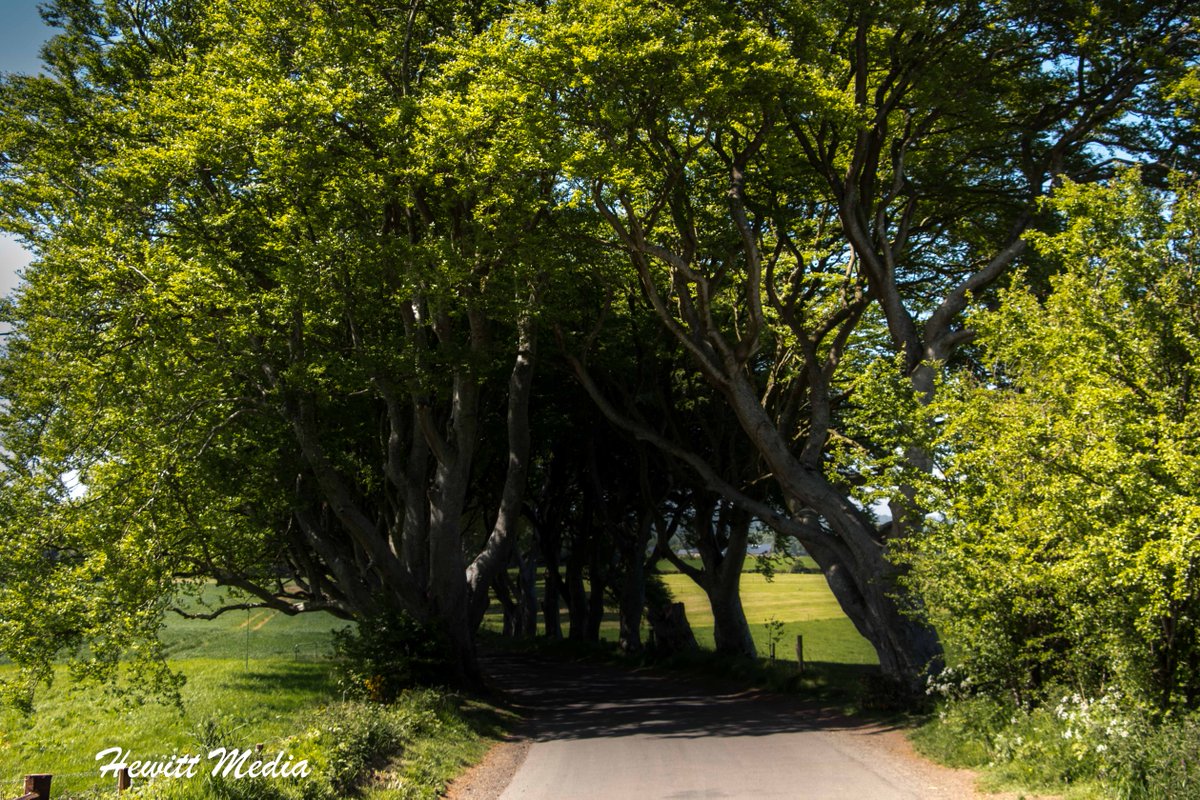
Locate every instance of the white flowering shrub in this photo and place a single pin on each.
(1112, 742)
(952, 683)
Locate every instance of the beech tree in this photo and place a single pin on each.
(782, 177)
(276, 292)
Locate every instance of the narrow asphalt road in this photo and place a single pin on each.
(602, 732)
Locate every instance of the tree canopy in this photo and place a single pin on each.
(297, 269)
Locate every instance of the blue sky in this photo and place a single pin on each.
(21, 34)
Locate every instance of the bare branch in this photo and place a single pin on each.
(224, 610)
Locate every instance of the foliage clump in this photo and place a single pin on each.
(386, 654)
(1065, 547)
(1061, 556)
(1103, 744)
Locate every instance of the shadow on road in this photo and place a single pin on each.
(572, 700)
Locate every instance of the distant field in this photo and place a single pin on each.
(271, 633)
(802, 602)
(751, 565)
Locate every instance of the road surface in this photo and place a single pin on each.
(601, 732)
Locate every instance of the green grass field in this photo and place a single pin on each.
(264, 697)
(803, 603)
(265, 704)
(261, 633)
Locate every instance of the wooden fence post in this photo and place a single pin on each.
(123, 780)
(38, 786)
(800, 652)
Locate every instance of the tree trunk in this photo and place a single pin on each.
(597, 578)
(731, 631)
(906, 648)
(844, 542)
(494, 555)
(447, 499)
(724, 553)
(633, 586)
(547, 516)
(414, 547)
(526, 622)
(508, 605)
(577, 602)
(449, 591)
(552, 586)
(671, 630)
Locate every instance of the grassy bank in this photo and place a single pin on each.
(257, 678)
(409, 749)
(1067, 745)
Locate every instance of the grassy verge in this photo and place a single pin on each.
(250, 679)
(404, 750)
(1077, 748)
(1011, 749)
(72, 723)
